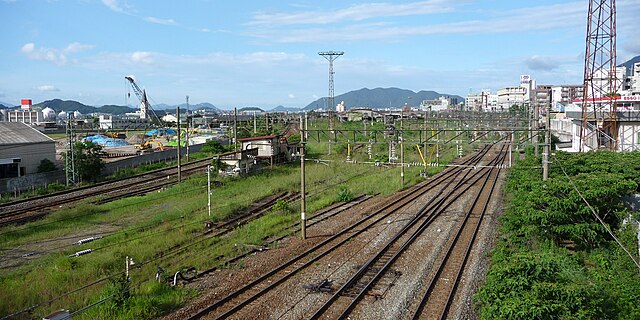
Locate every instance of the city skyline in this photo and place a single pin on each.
(265, 53)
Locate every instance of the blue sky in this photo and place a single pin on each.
(265, 53)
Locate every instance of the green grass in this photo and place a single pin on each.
(165, 229)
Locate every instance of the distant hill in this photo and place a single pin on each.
(65, 105)
(5, 105)
(114, 109)
(249, 109)
(200, 106)
(70, 105)
(380, 98)
(282, 108)
(629, 64)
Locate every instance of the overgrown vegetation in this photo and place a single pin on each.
(554, 260)
(166, 230)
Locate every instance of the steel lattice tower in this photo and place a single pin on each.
(69, 160)
(599, 118)
(331, 56)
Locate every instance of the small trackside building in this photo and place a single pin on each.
(274, 149)
(22, 147)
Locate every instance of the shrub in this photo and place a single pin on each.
(46, 166)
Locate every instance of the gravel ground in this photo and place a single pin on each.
(395, 291)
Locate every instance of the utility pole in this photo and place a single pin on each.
(255, 123)
(209, 190)
(303, 200)
(401, 164)
(547, 146)
(331, 56)
(306, 125)
(235, 129)
(186, 136)
(536, 115)
(178, 149)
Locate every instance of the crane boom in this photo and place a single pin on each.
(145, 107)
(134, 85)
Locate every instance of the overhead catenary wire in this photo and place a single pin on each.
(595, 214)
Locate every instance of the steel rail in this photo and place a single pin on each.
(433, 282)
(408, 197)
(423, 213)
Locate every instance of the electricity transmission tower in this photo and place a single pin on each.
(599, 118)
(331, 56)
(69, 160)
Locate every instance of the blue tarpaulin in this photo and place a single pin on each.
(160, 132)
(106, 141)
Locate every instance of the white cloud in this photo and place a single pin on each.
(541, 63)
(47, 88)
(548, 17)
(28, 48)
(114, 5)
(291, 96)
(160, 21)
(143, 57)
(77, 47)
(57, 56)
(356, 12)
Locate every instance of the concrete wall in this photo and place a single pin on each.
(149, 158)
(34, 181)
(30, 154)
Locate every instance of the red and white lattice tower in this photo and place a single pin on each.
(599, 118)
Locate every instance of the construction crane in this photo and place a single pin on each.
(145, 108)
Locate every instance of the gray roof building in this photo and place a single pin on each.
(22, 148)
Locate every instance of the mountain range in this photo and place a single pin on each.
(70, 105)
(629, 64)
(380, 98)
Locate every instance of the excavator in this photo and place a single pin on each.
(116, 135)
(150, 145)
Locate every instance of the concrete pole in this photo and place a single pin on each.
(306, 125)
(178, 148)
(209, 190)
(303, 200)
(255, 123)
(547, 146)
(235, 129)
(401, 164)
(536, 116)
(186, 134)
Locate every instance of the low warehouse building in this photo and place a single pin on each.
(22, 148)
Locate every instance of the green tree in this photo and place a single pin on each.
(46, 165)
(213, 146)
(87, 160)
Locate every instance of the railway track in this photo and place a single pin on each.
(249, 295)
(34, 208)
(344, 302)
